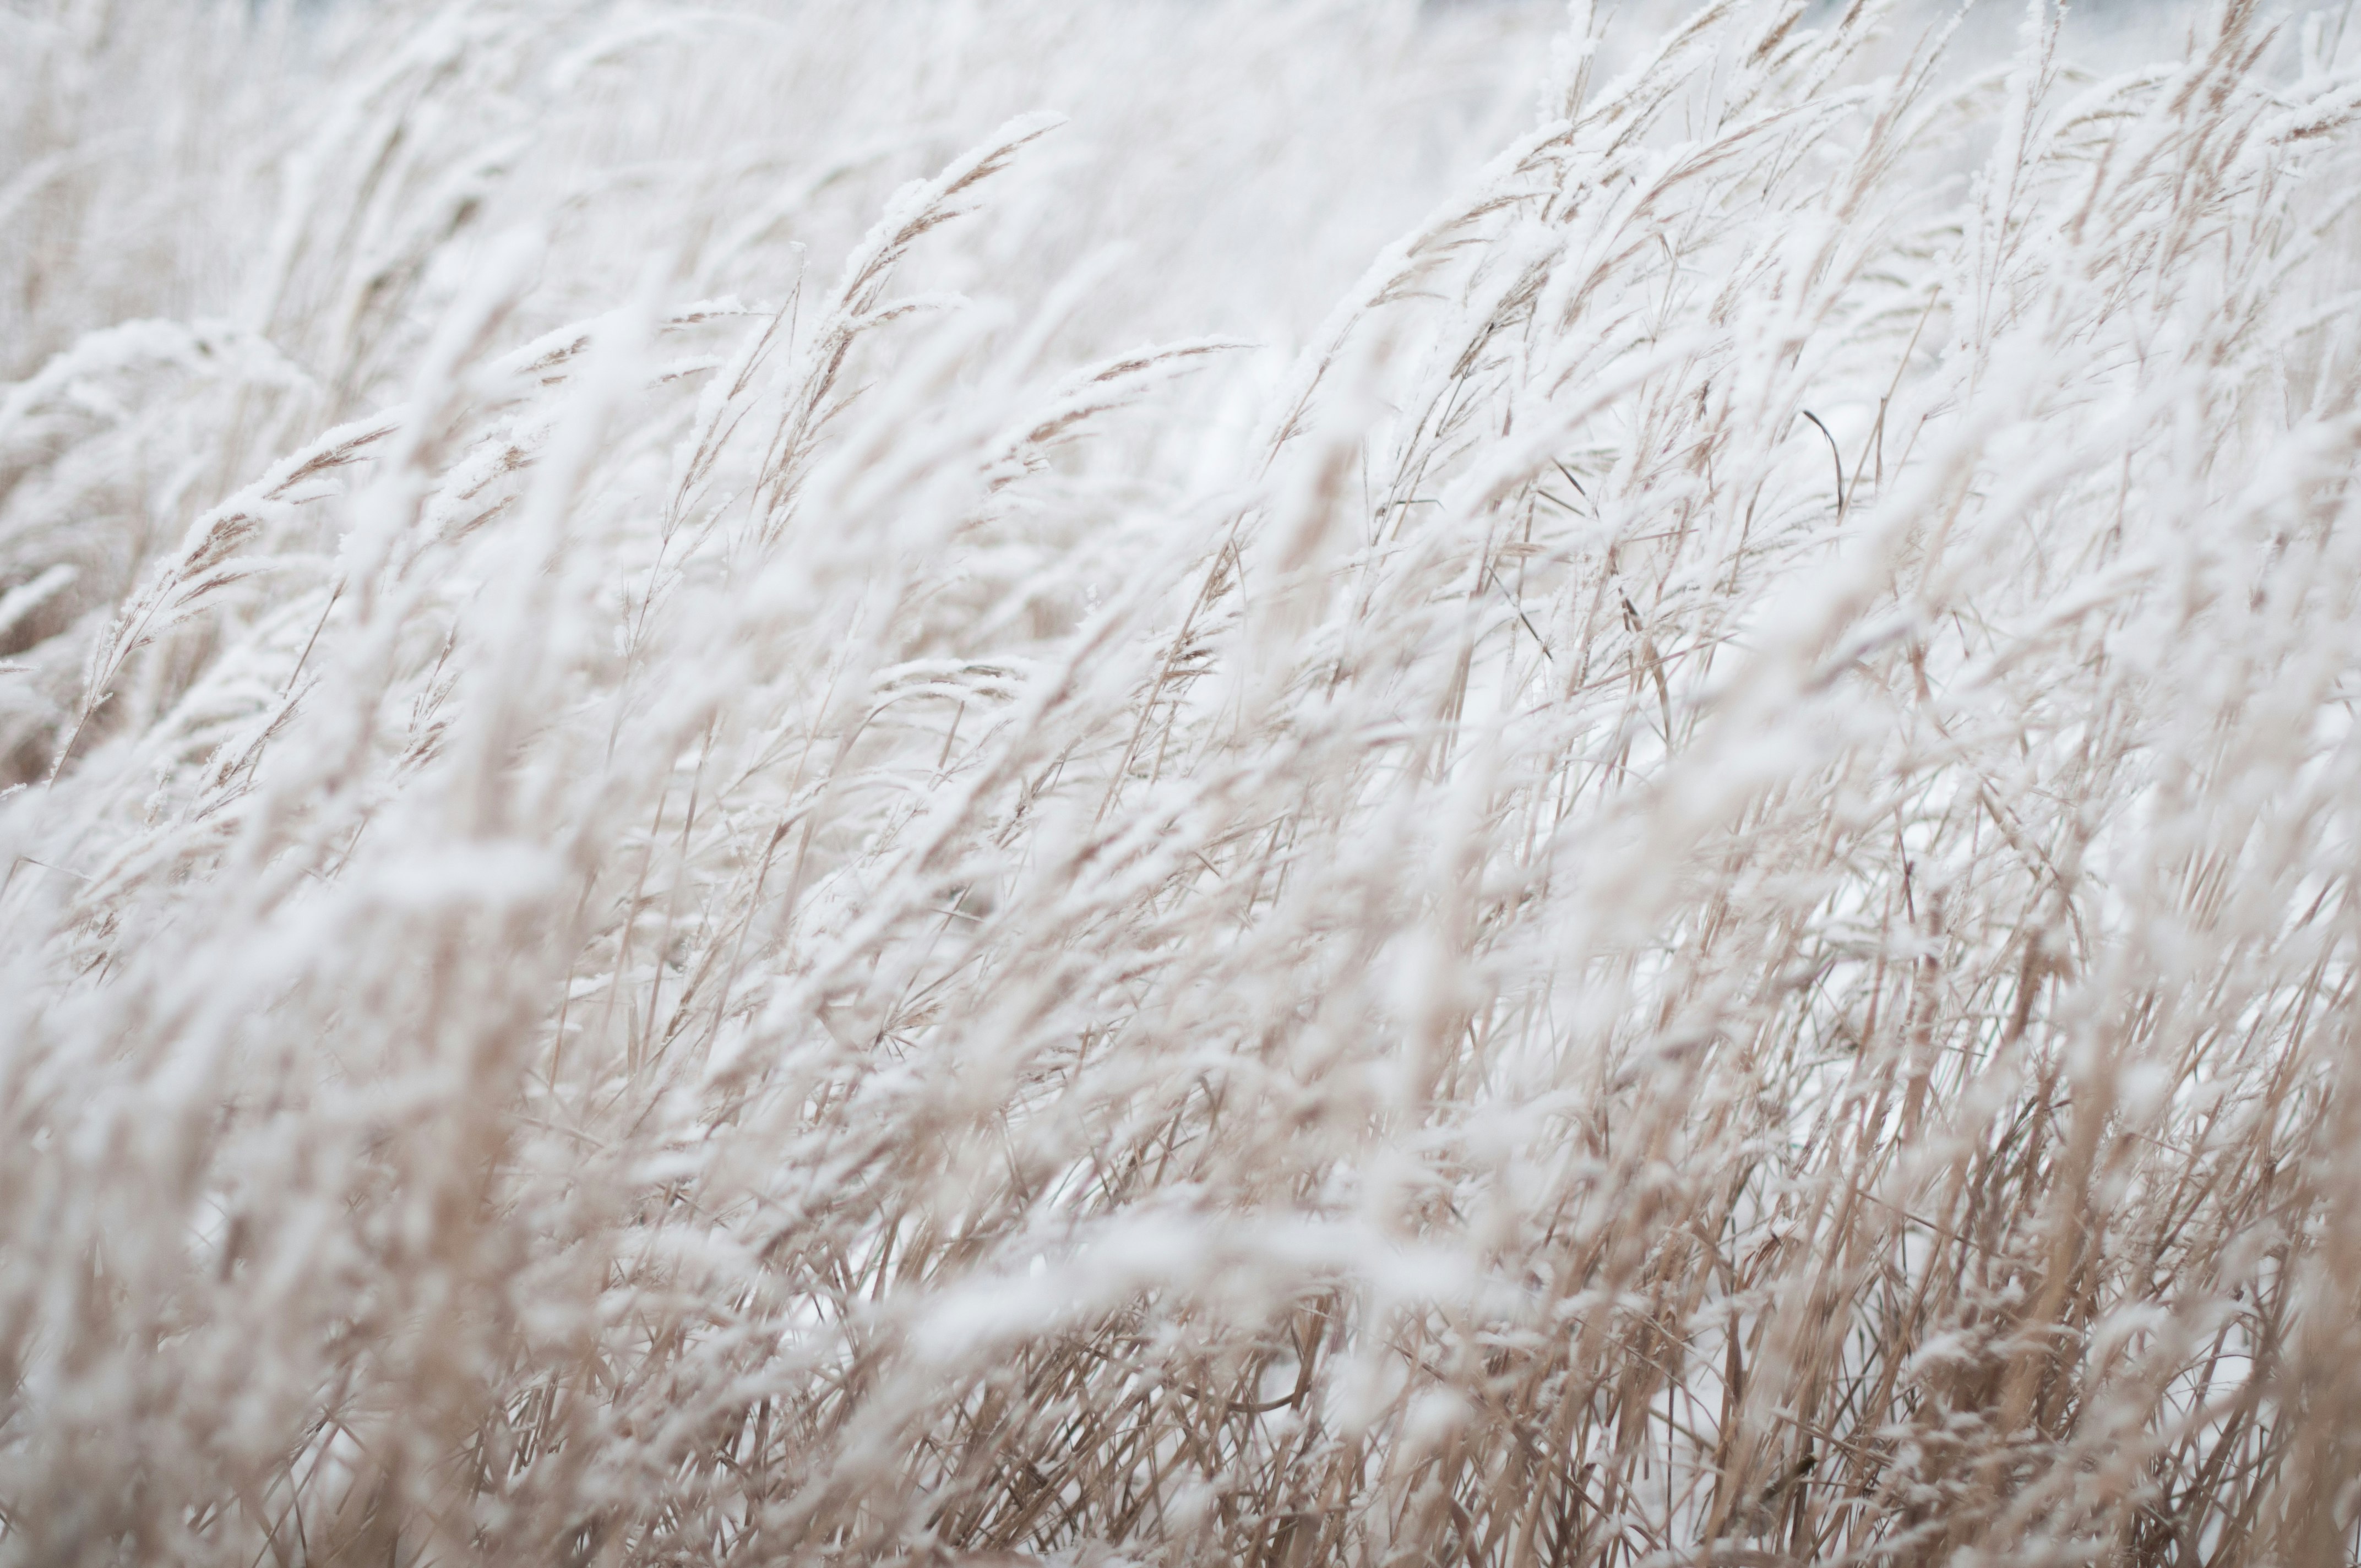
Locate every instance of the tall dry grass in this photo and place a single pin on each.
(697, 871)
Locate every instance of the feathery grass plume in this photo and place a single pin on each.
(761, 808)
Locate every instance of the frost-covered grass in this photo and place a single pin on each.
(1315, 821)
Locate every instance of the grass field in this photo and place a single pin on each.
(1178, 782)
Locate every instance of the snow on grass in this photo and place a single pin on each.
(1283, 783)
